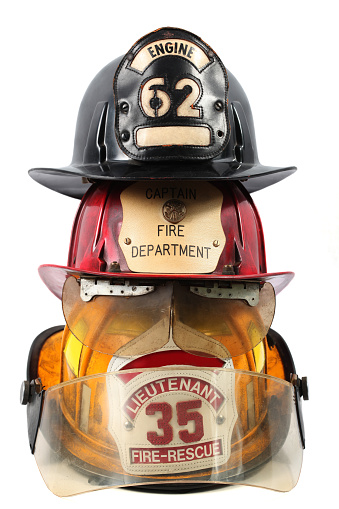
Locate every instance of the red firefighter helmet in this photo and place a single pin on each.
(155, 229)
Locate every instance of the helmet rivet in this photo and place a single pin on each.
(220, 419)
(124, 107)
(216, 243)
(127, 241)
(228, 269)
(128, 426)
(218, 105)
(114, 267)
(125, 135)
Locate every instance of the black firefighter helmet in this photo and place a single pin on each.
(168, 109)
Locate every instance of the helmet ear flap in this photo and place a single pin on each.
(35, 351)
(275, 340)
(43, 371)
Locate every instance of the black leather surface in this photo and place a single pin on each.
(213, 84)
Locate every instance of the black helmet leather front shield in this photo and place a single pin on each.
(175, 106)
(169, 108)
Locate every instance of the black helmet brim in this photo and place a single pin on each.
(74, 180)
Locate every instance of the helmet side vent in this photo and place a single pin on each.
(101, 136)
(244, 149)
(239, 223)
(95, 150)
(239, 140)
(100, 221)
(237, 257)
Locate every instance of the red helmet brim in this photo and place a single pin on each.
(54, 277)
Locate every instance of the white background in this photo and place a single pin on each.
(285, 55)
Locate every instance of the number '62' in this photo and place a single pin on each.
(155, 102)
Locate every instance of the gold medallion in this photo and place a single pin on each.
(174, 211)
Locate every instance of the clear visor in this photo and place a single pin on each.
(136, 320)
(169, 425)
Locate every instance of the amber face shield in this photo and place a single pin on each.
(130, 320)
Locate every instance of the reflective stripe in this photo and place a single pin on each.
(85, 407)
(173, 135)
(72, 353)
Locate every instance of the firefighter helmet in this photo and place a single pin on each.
(160, 229)
(165, 420)
(168, 99)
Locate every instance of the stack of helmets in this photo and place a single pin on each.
(167, 374)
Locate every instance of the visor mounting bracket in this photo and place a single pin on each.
(90, 288)
(239, 291)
